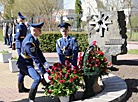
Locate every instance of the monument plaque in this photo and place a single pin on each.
(109, 30)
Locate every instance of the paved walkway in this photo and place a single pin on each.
(8, 80)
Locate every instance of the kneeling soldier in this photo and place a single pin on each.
(30, 52)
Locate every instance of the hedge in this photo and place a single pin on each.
(48, 40)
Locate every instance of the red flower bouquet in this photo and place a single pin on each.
(64, 80)
(95, 58)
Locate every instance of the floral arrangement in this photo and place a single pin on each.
(64, 80)
(95, 59)
(4, 51)
(13, 58)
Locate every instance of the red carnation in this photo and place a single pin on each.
(71, 80)
(94, 42)
(60, 81)
(96, 65)
(56, 77)
(68, 71)
(48, 71)
(91, 59)
(69, 65)
(56, 73)
(66, 61)
(101, 53)
(53, 72)
(74, 67)
(74, 72)
(55, 68)
(105, 59)
(59, 69)
(97, 60)
(49, 78)
(82, 66)
(52, 83)
(63, 81)
(80, 62)
(49, 92)
(90, 65)
(66, 75)
(87, 61)
(58, 64)
(60, 75)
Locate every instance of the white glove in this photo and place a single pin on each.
(46, 75)
(47, 64)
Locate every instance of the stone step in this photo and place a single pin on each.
(115, 90)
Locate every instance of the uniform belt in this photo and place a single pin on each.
(22, 37)
(68, 56)
(25, 56)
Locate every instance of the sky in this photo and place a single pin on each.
(69, 4)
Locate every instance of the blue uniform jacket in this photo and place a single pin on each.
(30, 48)
(20, 34)
(68, 50)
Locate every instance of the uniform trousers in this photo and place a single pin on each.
(30, 72)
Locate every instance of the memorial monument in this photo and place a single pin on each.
(109, 30)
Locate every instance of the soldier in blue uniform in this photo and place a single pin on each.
(30, 52)
(67, 46)
(20, 32)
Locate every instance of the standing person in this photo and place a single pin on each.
(14, 33)
(30, 52)
(67, 48)
(10, 32)
(28, 28)
(6, 34)
(20, 32)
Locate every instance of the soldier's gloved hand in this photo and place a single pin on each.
(47, 64)
(46, 75)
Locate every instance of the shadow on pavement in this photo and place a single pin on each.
(132, 88)
(127, 62)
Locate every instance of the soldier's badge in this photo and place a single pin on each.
(17, 30)
(76, 44)
(32, 49)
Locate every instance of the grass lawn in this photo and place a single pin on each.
(1, 35)
(132, 51)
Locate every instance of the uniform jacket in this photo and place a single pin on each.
(10, 31)
(67, 49)
(20, 34)
(30, 47)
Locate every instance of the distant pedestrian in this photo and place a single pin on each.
(6, 38)
(10, 32)
(5, 41)
(20, 32)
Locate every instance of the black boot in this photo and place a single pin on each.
(32, 94)
(22, 88)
